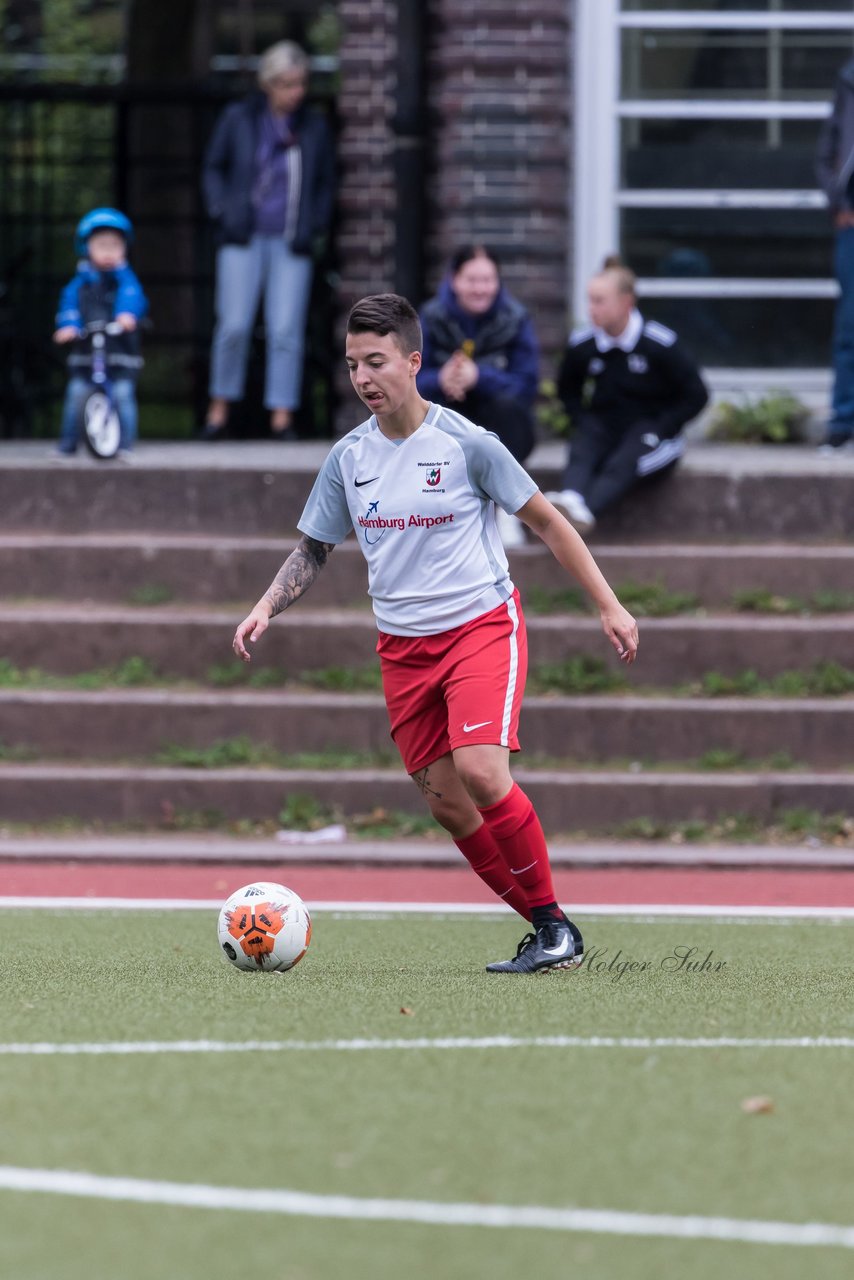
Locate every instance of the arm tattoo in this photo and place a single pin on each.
(422, 782)
(297, 573)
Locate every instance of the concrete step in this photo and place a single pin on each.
(66, 639)
(718, 492)
(300, 849)
(131, 567)
(104, 724)
(565, 801)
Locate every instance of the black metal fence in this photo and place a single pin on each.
(67, 148)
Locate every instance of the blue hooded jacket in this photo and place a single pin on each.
(90, 291)
(102, 295)
(506, 351)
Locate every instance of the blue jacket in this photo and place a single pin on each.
(228, 174)
(102, 295)
(505, 346)
(835, 148)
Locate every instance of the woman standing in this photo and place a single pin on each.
(268, 183)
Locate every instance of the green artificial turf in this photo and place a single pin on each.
(645, 1130)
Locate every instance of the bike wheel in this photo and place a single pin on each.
(101, 425)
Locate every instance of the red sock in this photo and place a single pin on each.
(516, 830)
(485, 858)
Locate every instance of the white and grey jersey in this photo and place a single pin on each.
(423, 513)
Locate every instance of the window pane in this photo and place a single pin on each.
(755, 154)
(734, 6)
(747, 333)
(779, 65)
(754, 243)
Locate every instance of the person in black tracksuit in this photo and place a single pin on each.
(629, 388)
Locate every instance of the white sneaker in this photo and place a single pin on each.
(572, 505)
(511, 531)
(836, 449)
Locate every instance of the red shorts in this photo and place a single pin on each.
(456, 688)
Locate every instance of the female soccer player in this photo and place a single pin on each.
(419, 484)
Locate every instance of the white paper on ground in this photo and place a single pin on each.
(325, 835)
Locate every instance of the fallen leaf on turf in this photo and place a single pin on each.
(757, 1106)
(404, 1009)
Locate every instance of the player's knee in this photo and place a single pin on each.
(455, 818)
(484, 780)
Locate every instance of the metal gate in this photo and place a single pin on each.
(67, 148)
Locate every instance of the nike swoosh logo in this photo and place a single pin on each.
(359, 483)
(561, 950)
(469, 728)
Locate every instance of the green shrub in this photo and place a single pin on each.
(343, 679)
(760, 600)
(151, 593)
(779, 418)
(654, 600)
(550, 413)
(134, 671)
(721, 758)
(566, 600)
(833, 602)
(577, 675)
(302, 812)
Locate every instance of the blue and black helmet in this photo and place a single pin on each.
(101, 220)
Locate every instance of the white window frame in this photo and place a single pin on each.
(599, 113)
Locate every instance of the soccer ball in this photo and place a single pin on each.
(264, 927)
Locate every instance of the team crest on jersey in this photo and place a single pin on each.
(637, 364)
(432, 475)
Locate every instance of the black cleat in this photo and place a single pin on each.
(557, 945)
(211, 431)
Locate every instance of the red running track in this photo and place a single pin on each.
(682, 886)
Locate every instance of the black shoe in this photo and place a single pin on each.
(212, 431)
(835, 445)
(557, 945)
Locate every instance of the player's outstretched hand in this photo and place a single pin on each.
(622, 630)
(252, 628)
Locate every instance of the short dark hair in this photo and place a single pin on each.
(468, 252)
(385, 313)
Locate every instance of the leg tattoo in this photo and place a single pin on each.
(422, 782)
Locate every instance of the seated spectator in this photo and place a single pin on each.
(629, 388)
(481, 357)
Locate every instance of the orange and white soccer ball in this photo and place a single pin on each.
(264, 927)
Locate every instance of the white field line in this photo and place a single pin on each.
(644, 910)
(124, 1047)
(435, 1213)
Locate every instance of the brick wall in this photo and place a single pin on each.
(499, 98)
(367, 198)
(497, 156)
